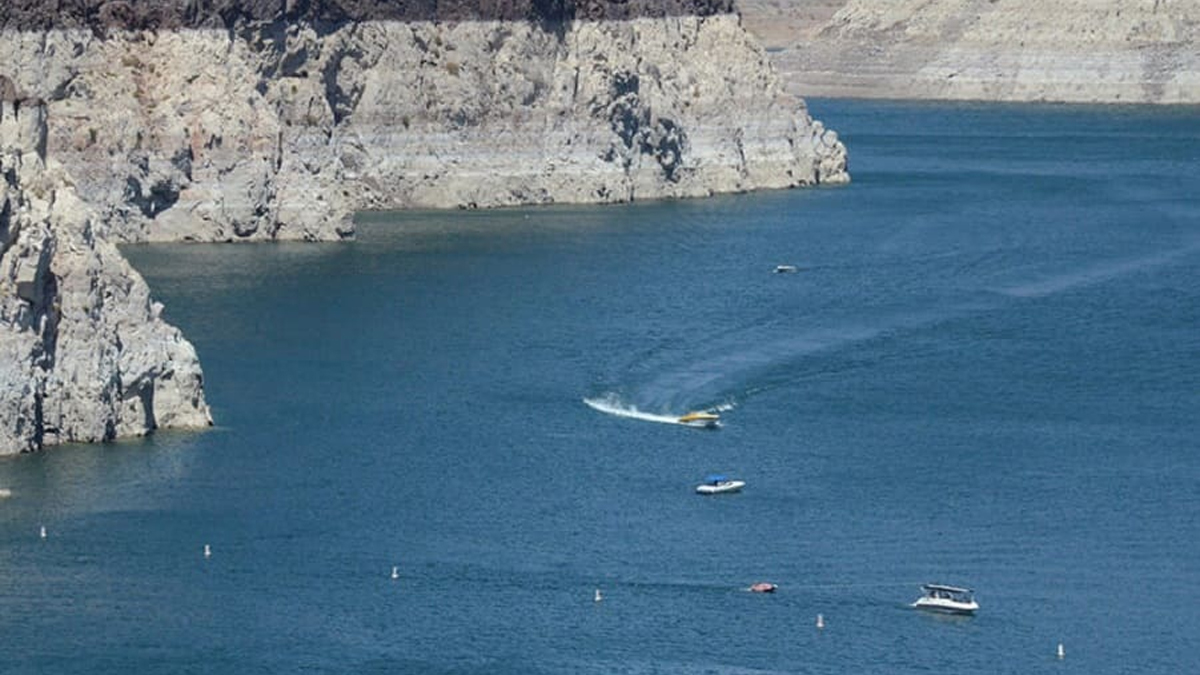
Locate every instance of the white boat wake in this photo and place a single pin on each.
(611, 404)
(745, 362)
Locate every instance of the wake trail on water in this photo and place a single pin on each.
(1098, 273)
(744, 362)
(611, 404)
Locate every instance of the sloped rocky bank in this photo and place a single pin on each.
(1081, 51)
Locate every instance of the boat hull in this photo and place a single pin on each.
(722, 488)
(700, 419)
(946, 606)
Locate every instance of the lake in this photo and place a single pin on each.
(984, 372)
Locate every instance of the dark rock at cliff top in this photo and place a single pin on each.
(103, 15)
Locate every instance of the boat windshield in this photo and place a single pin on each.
(949, 593)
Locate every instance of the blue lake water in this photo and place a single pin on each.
(986, 372)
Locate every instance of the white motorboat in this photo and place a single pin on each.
(718, 484)
(785, 269)
(947, 599)
(701, 419)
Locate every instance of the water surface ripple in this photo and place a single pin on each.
(984, 372)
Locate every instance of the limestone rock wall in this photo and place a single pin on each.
(84, 352)
(272, 129)
(505, 114)
(1110, 51)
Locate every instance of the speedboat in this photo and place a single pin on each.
(701, 419)
(763, 587)
(947, 599)
(785, 269)
(718, 484)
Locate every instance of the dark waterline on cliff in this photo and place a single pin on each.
(985, 372)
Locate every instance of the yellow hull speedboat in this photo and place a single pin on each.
(703, 420)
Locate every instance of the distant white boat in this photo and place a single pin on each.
(947, 599)
(785, 269)
(701, 419)
(719, 484)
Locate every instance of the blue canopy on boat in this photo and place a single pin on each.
(715, 478)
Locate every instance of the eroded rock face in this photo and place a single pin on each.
(506, 114)
(84, 353)
(271, 129)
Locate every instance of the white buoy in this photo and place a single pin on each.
(207, 551)
(42, 532)
(395, 572)
(1062, 653)
(598, 597)
(820, 621)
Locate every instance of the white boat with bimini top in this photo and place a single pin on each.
(947, 599)
(716, 484)
(701, 419)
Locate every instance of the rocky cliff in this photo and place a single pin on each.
(1108, 51)
(277, 120)
(84, 352)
